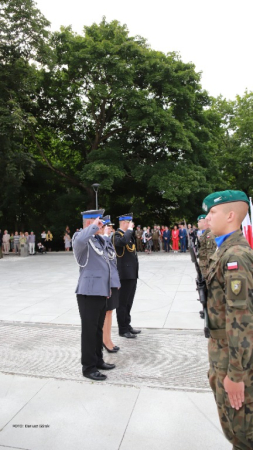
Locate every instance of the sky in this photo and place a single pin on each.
(215, 35)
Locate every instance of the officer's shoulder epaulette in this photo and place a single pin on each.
(119, 233)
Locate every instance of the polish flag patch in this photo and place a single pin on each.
(232, 265)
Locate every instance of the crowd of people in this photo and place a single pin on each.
(158, 238)
(15, 242)
(164, 238)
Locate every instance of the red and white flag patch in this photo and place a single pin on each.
(232, 265)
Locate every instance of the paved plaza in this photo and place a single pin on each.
(158, 396)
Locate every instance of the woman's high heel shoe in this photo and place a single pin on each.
(110, 351)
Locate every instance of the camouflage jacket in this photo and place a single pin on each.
(155, 235)
(207, 247)
(138, 234)
(230, 306)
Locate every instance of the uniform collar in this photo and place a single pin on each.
(220, 239)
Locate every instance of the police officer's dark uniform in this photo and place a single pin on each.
(128, 267)
(92, 290)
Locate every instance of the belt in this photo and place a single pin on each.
(218, 334)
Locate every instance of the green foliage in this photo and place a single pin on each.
(131, 118)
(235, 157)
(23, 41)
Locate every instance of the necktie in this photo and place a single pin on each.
(100, 239)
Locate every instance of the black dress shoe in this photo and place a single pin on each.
(113, 350)
(134, 331)
(95, 376)
(116, 348)
(105, 366)
(128, 335)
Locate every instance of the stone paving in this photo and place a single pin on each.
(157, 358)
(157, 397)
(41, 289)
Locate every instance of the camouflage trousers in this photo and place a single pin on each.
(236, 425)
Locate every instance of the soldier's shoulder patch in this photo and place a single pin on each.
(232, 265)
(236, 286)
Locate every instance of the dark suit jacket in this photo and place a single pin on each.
(167, 234)
(182, 233)
(128, 265)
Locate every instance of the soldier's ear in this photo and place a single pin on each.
(230, 216)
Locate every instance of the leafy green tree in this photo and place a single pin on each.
(113, 111)
(102, 107)
(235, 157)
(23, 38)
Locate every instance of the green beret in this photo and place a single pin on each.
(217, 198)
(202, 216)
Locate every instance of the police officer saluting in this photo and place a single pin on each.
(230, 312)
(92, 290)
(128, 266)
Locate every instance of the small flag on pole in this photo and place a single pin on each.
(247, 229)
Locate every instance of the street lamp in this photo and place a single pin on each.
(95, 189)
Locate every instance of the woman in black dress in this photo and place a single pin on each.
(113, 301)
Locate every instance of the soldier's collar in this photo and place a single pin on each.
(220, 239)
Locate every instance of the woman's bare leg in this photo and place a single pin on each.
(107, 330)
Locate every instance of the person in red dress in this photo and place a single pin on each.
(175, 238)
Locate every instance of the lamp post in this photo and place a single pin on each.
(95, 189)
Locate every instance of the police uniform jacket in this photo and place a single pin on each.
(115, 281)
(127, 259)
(94, 266)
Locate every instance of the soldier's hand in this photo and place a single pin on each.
(106, 230)
(235, 392)
(98, 222)
(131, 224)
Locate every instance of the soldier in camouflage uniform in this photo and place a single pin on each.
(230, 312)
(138, 238)
(207, 244)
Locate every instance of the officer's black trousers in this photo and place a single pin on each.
(126, 298)
(92, 309)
